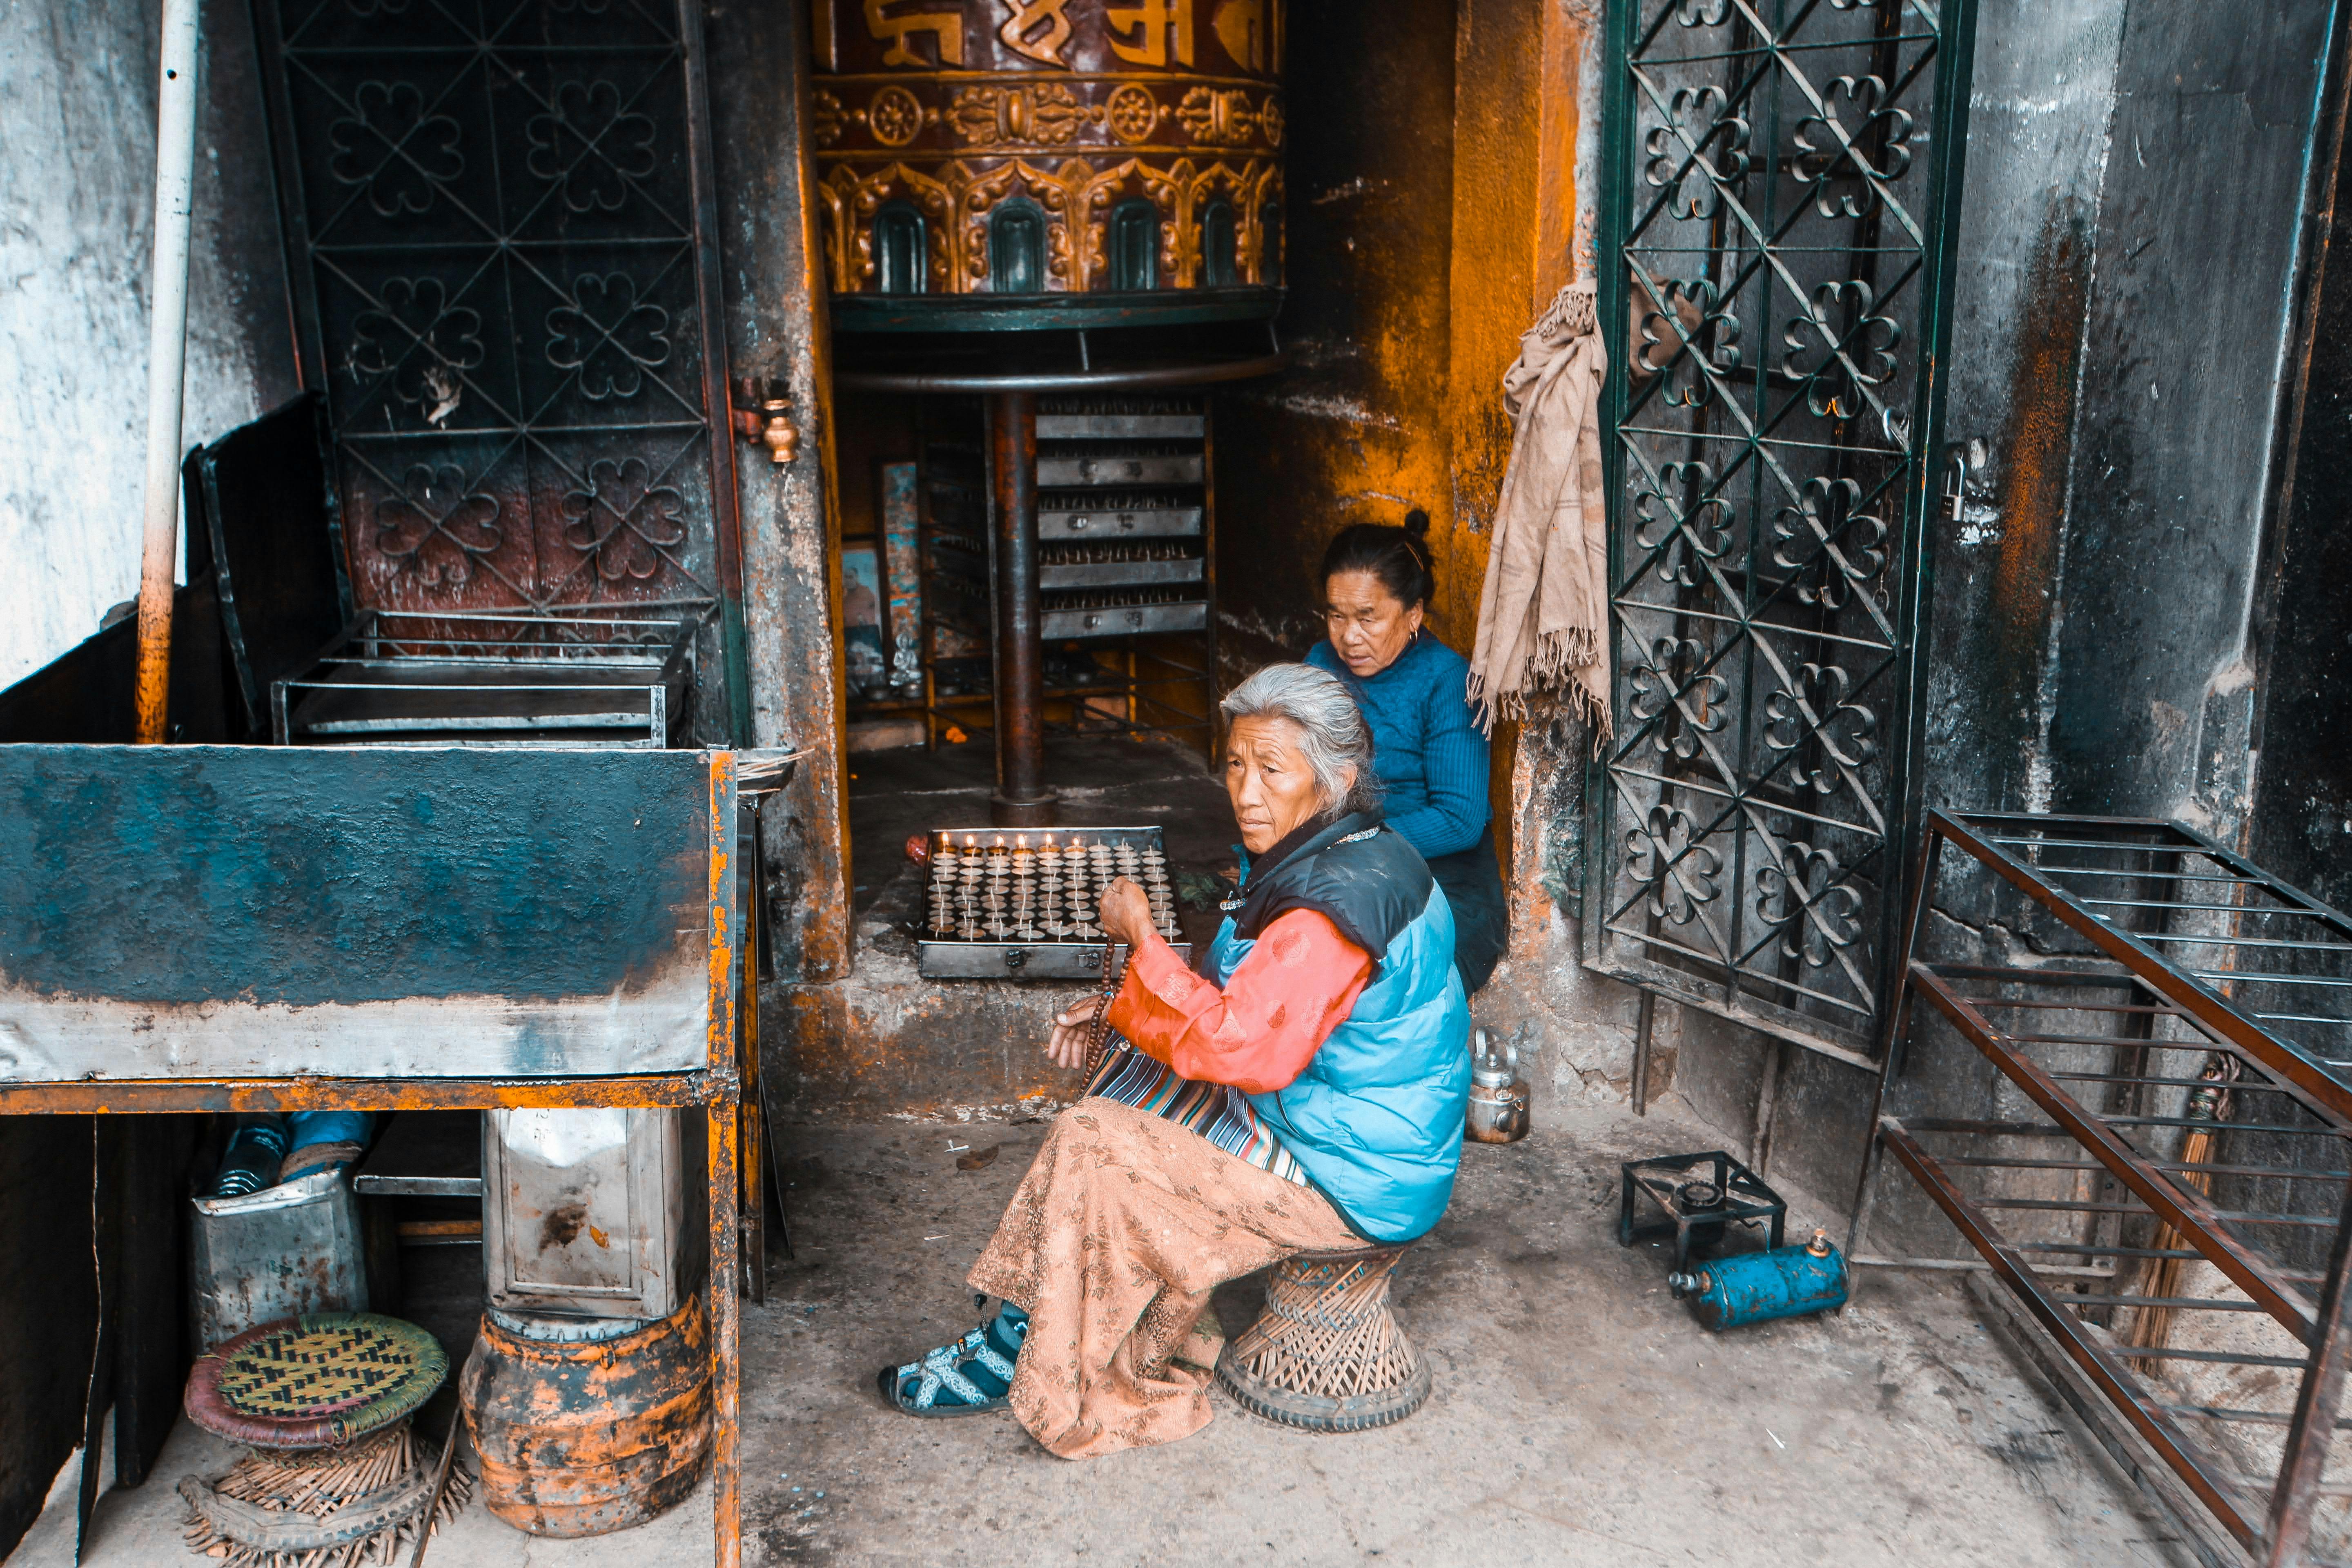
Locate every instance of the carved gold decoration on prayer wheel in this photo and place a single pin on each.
(1041, 148)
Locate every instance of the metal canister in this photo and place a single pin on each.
(1498, 1095)
(277, 1252)
(587, 1214)
(1758, 1286)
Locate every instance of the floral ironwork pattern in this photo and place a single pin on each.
(1777, 180)
(607, 336)
(591, 148)
(1806, 899)
(623, 521)
(501, 291)
(437, 526)
(418, 340)
(390, 146)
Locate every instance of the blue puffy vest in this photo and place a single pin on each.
(1376, 1118)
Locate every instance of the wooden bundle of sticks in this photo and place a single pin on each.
(2208, 1109)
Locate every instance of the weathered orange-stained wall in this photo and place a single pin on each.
(1517, 79)
(1355, 430)
(1432, 165)
(1435, 212)
(1432, 210)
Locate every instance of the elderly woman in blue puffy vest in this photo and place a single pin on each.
(1300, 1087)
(1426, 746)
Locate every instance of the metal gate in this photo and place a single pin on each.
(499, 220)
(1781, 202)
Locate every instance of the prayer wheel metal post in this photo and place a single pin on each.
(1021, 799)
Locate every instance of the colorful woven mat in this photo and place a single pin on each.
(313, 1380)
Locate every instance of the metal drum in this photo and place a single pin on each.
(595, 1431)
(1017, 161)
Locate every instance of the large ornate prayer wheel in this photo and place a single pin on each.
(995, 164)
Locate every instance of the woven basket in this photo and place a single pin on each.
(1325, 1355)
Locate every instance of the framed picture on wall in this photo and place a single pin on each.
(863, 593)
(903, 563)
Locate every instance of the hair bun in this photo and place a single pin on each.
(1416, 522)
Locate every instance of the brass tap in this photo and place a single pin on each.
(763, 415)
(779, 433)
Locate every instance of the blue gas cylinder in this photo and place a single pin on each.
(1757, 1287)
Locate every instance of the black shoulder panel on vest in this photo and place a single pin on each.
(1371, 888)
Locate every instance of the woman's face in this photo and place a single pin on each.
(1267, 778)
(1367, 624)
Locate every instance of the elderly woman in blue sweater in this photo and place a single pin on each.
(1427, 746)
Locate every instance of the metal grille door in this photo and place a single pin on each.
(1781, 202)
(497, 220)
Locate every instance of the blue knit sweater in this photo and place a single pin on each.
(1431, 757)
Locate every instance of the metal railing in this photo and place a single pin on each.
(2155, 1166)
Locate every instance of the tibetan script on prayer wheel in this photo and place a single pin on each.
(1032, 147)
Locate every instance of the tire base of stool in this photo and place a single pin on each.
(1322, 1412)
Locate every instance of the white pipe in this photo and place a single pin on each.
(167, 354)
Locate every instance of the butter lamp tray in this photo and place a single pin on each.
(1021, 906)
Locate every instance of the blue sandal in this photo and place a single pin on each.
(964, 1377)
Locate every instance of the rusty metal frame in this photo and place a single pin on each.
(2169, 944)
(716, 1089)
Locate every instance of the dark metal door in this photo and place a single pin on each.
(499, 220)
(1782, 203)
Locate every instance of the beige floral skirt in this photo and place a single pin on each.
(1123, 1226)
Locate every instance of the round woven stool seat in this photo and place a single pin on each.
(1325, 1355)
(315, 1382)
(334, 1475)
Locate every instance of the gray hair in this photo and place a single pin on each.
(1334, 737)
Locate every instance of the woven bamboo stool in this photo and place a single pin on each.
(332, 1476)
(1325, 1355)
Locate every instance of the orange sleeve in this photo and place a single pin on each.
(1261, 1030)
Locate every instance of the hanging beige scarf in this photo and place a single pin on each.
(1543, 614)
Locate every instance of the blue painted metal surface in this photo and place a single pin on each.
(192, 912)
(1758, 1286)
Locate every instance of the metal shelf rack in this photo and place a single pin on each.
(2156, 1168)
(1125, 569)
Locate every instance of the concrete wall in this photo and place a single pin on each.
(759, 82)
(77, 192)
(2123, 346)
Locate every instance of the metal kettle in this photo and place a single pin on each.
(1498, 1095)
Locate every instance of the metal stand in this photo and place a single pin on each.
(1021, 799)
(2201, 1001)
(678, 1028)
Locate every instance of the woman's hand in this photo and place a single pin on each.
(1125, 913)
(1067, 1046)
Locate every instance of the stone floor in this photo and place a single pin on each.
(1580, 1416)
